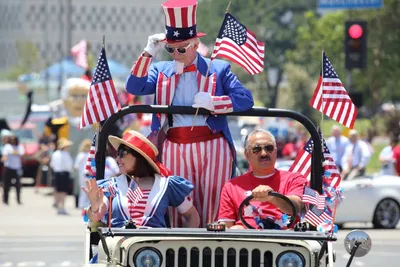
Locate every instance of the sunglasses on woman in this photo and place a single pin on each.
(123, 151)
(266, 148)
(180, 50)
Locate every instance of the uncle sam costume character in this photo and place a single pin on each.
(204, 155)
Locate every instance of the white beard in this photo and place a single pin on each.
(179, 66)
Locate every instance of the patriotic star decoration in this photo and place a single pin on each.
(283, 221)
(191, 32)
(176, 33)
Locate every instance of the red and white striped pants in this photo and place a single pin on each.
(208, 165)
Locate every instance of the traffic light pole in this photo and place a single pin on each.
(349, 80)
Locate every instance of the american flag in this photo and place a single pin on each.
(302, 163)
(134, 193)
(237, 43)
(90, 167)
(330, 167)
(313, 197)
(102, 100)
(111, 189)
(331, 98)
(316, 216)
(79, 53)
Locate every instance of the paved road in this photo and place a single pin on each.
(33, 235)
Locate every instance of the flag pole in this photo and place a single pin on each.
(322, 89)
(208, 70)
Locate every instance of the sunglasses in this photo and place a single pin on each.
(122, 152)
(180, 50)
(266, 148)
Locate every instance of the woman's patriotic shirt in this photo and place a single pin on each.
(150, 210)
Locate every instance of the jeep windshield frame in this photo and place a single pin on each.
(316, 158)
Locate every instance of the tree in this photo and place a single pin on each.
(381, 79)
(274, 21)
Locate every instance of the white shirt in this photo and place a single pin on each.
(387, 155)
(185, 91)
(13, 154)
(61, 161)
(337, 146)
(361, 155)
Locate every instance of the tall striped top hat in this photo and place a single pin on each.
(180, 20)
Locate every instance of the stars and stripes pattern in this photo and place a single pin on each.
(90, 166)
(102, 100)
(331, 98)
(302, 162)
(235, 42)
(79, 53)
(316, 216)
(134, 193)
(330, 168)
(137, 211)
(313, 197)
(141, 67)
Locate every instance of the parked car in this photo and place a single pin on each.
(374, 198)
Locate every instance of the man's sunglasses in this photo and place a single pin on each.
(123, 151)
(266, 148)
(180, 50)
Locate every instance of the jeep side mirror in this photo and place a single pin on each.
(357, 243)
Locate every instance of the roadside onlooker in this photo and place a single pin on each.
(396, 160)
(355, 158)
(386, 157)
(80, 163)
(11, 157)
(62, 165)
(336, 145)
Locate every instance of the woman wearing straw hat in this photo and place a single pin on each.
(62, 165)
(144, 190)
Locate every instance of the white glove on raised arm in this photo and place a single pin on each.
(154, 43)
(203, 100)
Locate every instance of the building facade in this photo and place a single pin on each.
(54, 26)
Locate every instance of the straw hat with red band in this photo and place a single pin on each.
(180, 20)
(143, 146)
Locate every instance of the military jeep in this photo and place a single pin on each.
(216, 246)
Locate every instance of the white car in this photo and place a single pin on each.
(373, 199)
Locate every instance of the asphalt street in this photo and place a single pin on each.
(33, 234)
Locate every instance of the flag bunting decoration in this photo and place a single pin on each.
(90, 166)
(102, 100)
(235, 42)
(331, 98)
(317, 216)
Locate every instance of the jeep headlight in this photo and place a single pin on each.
(147, 257)
(290, 259)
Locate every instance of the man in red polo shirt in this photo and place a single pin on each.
(260, 151)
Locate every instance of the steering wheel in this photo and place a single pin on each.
(275, 194)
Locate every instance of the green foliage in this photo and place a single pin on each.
(28, 60)
(273, 22)
(381, 80)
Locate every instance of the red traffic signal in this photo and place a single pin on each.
(355, 44)
(355, 31)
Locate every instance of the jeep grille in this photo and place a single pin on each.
(206, 257)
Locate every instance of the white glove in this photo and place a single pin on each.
(203, 100)
(154, 43)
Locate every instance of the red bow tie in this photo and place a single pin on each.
(189, 68)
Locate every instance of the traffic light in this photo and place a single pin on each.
(355, 44)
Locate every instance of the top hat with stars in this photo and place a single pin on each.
(180, 20)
